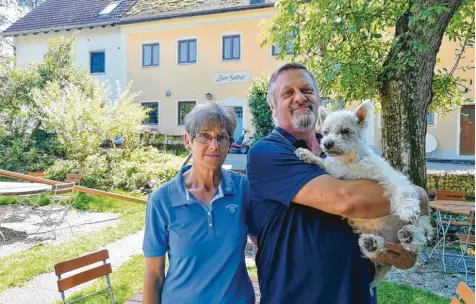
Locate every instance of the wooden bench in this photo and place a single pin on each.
(86, 275)
(448, 195)
(464, 294)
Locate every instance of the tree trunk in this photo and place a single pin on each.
(406, 93)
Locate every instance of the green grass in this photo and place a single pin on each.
(128, 280)
(20, 267)
(391, 293)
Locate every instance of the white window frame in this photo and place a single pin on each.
(158, 111)
(177, 50)
(222, 49)
(141, 51)
(177, 109)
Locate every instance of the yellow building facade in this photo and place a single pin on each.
(201, 59)
(179, 62)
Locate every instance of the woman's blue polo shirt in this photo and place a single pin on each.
(205, 244)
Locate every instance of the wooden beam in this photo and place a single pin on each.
(86, 190)
(109, 194)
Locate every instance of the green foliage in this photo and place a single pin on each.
(260, 111)
(54, 110)
(137, 170)
(347, 43)
(391, 293)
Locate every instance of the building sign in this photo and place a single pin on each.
(231, 77)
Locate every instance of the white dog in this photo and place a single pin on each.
(349, 157)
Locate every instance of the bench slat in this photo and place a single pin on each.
(76, 263)
(83, 277)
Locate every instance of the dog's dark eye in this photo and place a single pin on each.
(344, 131)
(326, 132)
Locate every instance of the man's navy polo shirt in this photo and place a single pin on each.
(304, 255)
(205, 244)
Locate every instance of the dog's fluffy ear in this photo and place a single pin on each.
(362, 112)
(322, 114)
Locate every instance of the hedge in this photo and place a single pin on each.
(451, 180)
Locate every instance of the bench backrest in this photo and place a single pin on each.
(463, 293)
(448, 195)
(85, 276)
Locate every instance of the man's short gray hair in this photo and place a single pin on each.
(285, 67)
(210, 116)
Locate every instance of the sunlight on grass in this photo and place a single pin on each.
(20, 267)
(391, 293)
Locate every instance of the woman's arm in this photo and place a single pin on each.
(154, 277)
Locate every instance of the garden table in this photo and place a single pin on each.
(14, 189)
(452, 208)
(19, 189)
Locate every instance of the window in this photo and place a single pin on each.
(153, 114)
(150, 54)
(183, 108)
(97, 62)
(231, 47)
(108, 9)
(430, 118)
(187, 52)
(276, 49)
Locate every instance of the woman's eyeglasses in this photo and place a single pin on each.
(205, 138)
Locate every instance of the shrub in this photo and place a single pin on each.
(261, 113)
(138, 170)
(456, 181)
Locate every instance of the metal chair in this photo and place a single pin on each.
(86, 275)
(54, 214)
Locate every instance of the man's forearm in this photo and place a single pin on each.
(153, 290)
(365, 200)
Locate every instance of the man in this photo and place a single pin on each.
(307, 253)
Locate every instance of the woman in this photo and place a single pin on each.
(199, 219)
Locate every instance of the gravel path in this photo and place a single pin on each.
(20, 230)
(430, 276)
(42, 289)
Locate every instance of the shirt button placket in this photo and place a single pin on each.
(210, 224)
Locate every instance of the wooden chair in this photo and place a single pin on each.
(86, 275)
(73, 178)
(448, 195)
(37, 174)
(464, 294)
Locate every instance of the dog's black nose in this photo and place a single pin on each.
(328, 144)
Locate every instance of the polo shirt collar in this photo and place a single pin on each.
(298, 143)
(178, 194)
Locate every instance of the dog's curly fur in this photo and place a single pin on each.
(349, 157)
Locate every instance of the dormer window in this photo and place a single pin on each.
(108, 9)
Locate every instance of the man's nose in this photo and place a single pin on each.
(329, 144)
(299, 97)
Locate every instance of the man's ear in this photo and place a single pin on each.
(187, 141)
(321, 115)
(362, 112)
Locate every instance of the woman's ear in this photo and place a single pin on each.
(187, 141)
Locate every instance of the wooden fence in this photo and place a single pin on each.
(41, 180)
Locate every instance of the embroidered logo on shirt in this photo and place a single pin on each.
(231, 207)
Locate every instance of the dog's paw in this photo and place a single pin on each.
(408, 210)
(406, 235)
(371, 244)
(305, 155)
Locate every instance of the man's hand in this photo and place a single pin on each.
(397, 256)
